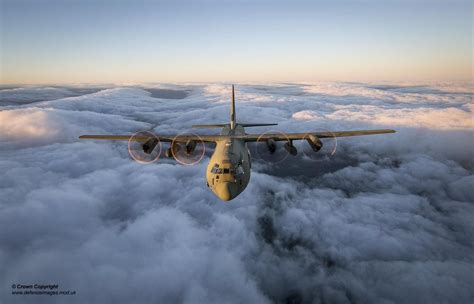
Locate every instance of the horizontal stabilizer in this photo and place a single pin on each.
(210, 126)
(257, 124)
(245, 125)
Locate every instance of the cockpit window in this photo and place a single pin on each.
(229, 170)
(215, 169)
(239, 170)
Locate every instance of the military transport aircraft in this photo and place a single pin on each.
(228, 171)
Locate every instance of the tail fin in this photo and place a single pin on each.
(233, 121)
(232, 111)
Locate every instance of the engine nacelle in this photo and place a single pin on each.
(290, 148)
(149, 145)
(315, 143)
(271, 145)
(190, 146)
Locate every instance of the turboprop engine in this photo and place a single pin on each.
(271, 145)
(315, 143)
(190, 146)
(149, 145)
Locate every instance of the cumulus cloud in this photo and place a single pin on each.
(32, 94)
(34, 126)
(445, 118)
(387, 219)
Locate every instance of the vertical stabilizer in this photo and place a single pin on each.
(232, 110)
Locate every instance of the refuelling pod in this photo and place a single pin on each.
(290, 148)
(176, 147)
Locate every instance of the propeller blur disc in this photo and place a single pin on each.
(142, 142)
(188, 152)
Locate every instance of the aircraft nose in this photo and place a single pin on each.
(226, 191)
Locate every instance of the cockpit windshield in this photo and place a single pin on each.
(227, 170)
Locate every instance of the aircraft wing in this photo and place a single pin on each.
(162, 138)
(247, 137)
(299, 136)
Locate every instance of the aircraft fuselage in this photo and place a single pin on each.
(228, 171)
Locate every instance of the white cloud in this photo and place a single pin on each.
(444, 118)
(388, 219)
(31, 94)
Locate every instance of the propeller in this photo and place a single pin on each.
(185, 151)
(268, 149)
(317, 149)
(144, 152)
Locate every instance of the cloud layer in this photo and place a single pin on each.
(387, 219)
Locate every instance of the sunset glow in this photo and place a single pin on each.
(262, 41)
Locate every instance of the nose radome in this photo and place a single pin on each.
(226, 191)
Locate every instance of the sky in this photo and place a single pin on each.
(243, 41)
